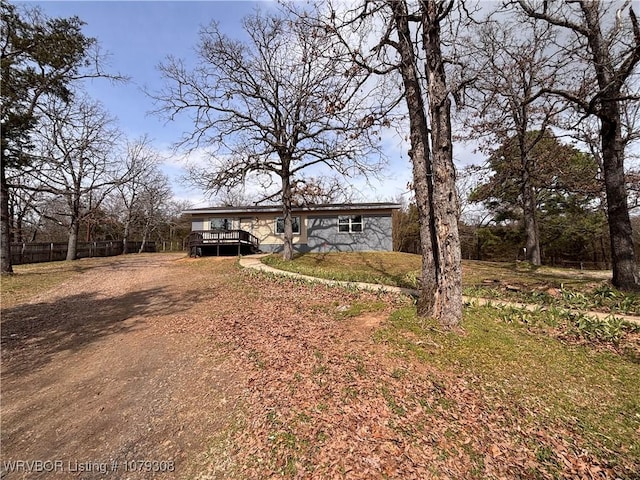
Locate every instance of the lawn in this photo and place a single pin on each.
(517, 282)
(573, 396)
(403, 269)
(562, 382)
(388, 268)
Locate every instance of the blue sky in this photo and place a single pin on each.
(139, 35)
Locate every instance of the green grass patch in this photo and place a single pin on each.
(593, 392)
(516, 282)
(356, 309)
(388, 268)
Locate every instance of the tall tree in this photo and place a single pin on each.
(40, 58)
(561, 171)
(275, 106)
(513, 63)
(74, 159)
(142, 167)
(602, 37)
(410, 45)
(153, 204)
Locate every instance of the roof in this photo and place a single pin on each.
(325, 207)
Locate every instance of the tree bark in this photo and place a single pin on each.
(5, 222)
(72, 244)
(610, 83)
(528, 192)
(447, 305)
(531, 230)
(287, 252)
(625, 272)
(420, 158)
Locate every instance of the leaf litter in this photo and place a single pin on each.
(324, 400)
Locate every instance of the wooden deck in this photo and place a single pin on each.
(215, 242)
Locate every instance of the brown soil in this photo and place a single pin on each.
(165, 359)
(96, 371)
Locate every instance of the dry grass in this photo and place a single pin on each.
(521, 273)
(30, 280)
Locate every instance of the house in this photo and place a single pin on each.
(316, 228)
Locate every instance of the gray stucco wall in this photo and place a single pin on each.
(323, 235)
(273, 248)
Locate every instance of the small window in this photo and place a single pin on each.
(295, 225)
(352, 224)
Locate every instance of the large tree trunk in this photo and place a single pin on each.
(72, 244)
(420, 158)
(528, 192)
(447, 305)
(610, 83)
(5, 222)
(532, 233)
(625, 272)
(287, 252)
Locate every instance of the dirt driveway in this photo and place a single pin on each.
(98, 375)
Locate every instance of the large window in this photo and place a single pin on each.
(295, 224)
(221, 224)
(350, 224)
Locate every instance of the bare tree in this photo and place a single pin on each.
(397, 37)
(152, 204)
(603, 37)
(586, 131)
(318, 190)
(273, 107)
(513, 62)
(141, 163)
(41, 57)
(25, 206)
(74, 160)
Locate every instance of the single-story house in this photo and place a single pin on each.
(316, 228)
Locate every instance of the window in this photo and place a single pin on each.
(350, 224)
(295, 224)
(221, 224)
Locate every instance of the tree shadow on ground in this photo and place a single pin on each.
(32, 334)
